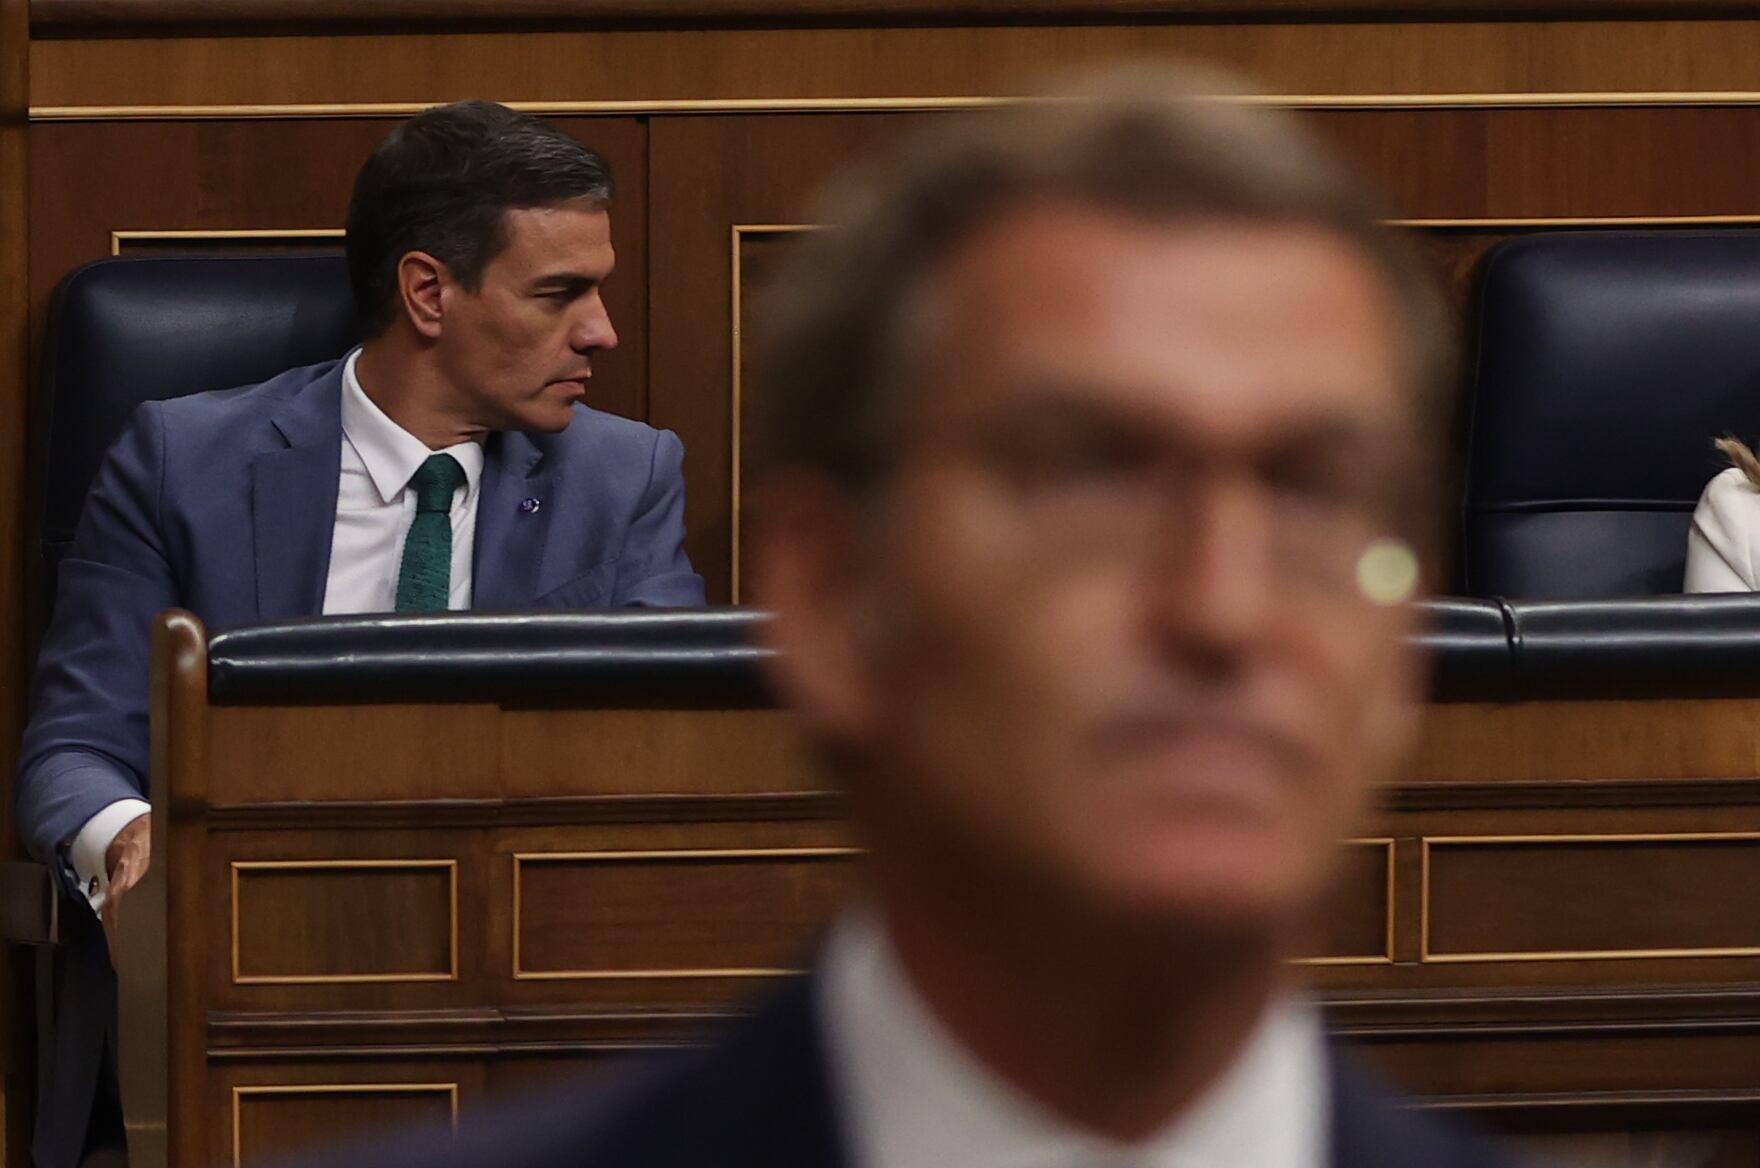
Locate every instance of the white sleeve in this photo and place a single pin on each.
(86, 854)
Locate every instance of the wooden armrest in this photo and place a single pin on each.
(30, 906)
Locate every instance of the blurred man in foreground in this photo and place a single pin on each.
(1096, 494)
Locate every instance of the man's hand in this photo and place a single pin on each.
(126, 860)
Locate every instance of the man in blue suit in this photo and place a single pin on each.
(1095, 476)
(446, 463)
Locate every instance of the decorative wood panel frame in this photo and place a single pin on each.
(520, 859)
(118, 239)
(449, 1089)
(901, 104)
(449, 866)
(1428, 844)
(736, 459)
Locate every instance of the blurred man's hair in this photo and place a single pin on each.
(443, 182)
(839, 349)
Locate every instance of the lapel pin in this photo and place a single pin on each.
(530, 506)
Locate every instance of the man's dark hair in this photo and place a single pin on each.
(443, 182)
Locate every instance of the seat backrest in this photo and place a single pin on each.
(1604, 363)
(126, 331)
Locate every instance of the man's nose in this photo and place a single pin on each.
(1212, 586)
(593, 328)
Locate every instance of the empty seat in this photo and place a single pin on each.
(1603, 363)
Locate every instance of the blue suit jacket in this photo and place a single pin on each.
(760, 1097)
(224, 503)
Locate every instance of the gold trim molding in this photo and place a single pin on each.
(1613, 99)
(451, 868)
(238, 1094)
(256, 235)
(520, 859)
(1428, 956)
(1544, 223)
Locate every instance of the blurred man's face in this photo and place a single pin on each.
(520, 347)
(1109, 626)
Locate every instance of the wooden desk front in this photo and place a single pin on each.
(374, 914)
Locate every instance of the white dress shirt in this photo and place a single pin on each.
(913, 1097)
(374, 508)
(1721, 543)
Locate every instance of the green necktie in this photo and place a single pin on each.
(424, 581)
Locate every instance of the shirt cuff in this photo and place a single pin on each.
(86, 854)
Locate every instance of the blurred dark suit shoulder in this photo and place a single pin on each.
(757, 1096)
(760, 1097)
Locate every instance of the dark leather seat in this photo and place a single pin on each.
(125, 331)
(1603, 365)
(122, 332)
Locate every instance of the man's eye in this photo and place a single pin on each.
(1053, 462)
(1086, 460)
(1331, 489)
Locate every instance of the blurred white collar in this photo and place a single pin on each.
(913, 1097)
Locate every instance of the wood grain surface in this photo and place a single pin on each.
(106, 17)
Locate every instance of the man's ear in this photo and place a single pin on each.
(421, 284)
(806, 567)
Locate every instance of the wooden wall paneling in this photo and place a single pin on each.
(266, 1114)
(17, 1033)
(363, 919)
(330, 752)
(14, 350)
(1505, 901)
(106, 17)
(846, 61)
(337, 921)
(1431, 163)
(665, 916)
(1563, 741)
(272, 1121)
(224, 177)
(1548, 898)
(708, 175)
(1357, 924)
(1558, 1062)
(1558, 163)
(658, 914)
(653, 752)
(161, 1046)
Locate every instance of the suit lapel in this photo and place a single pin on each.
(511, 528)
(770, 1088)
(293, 500)
(1371, 1129)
